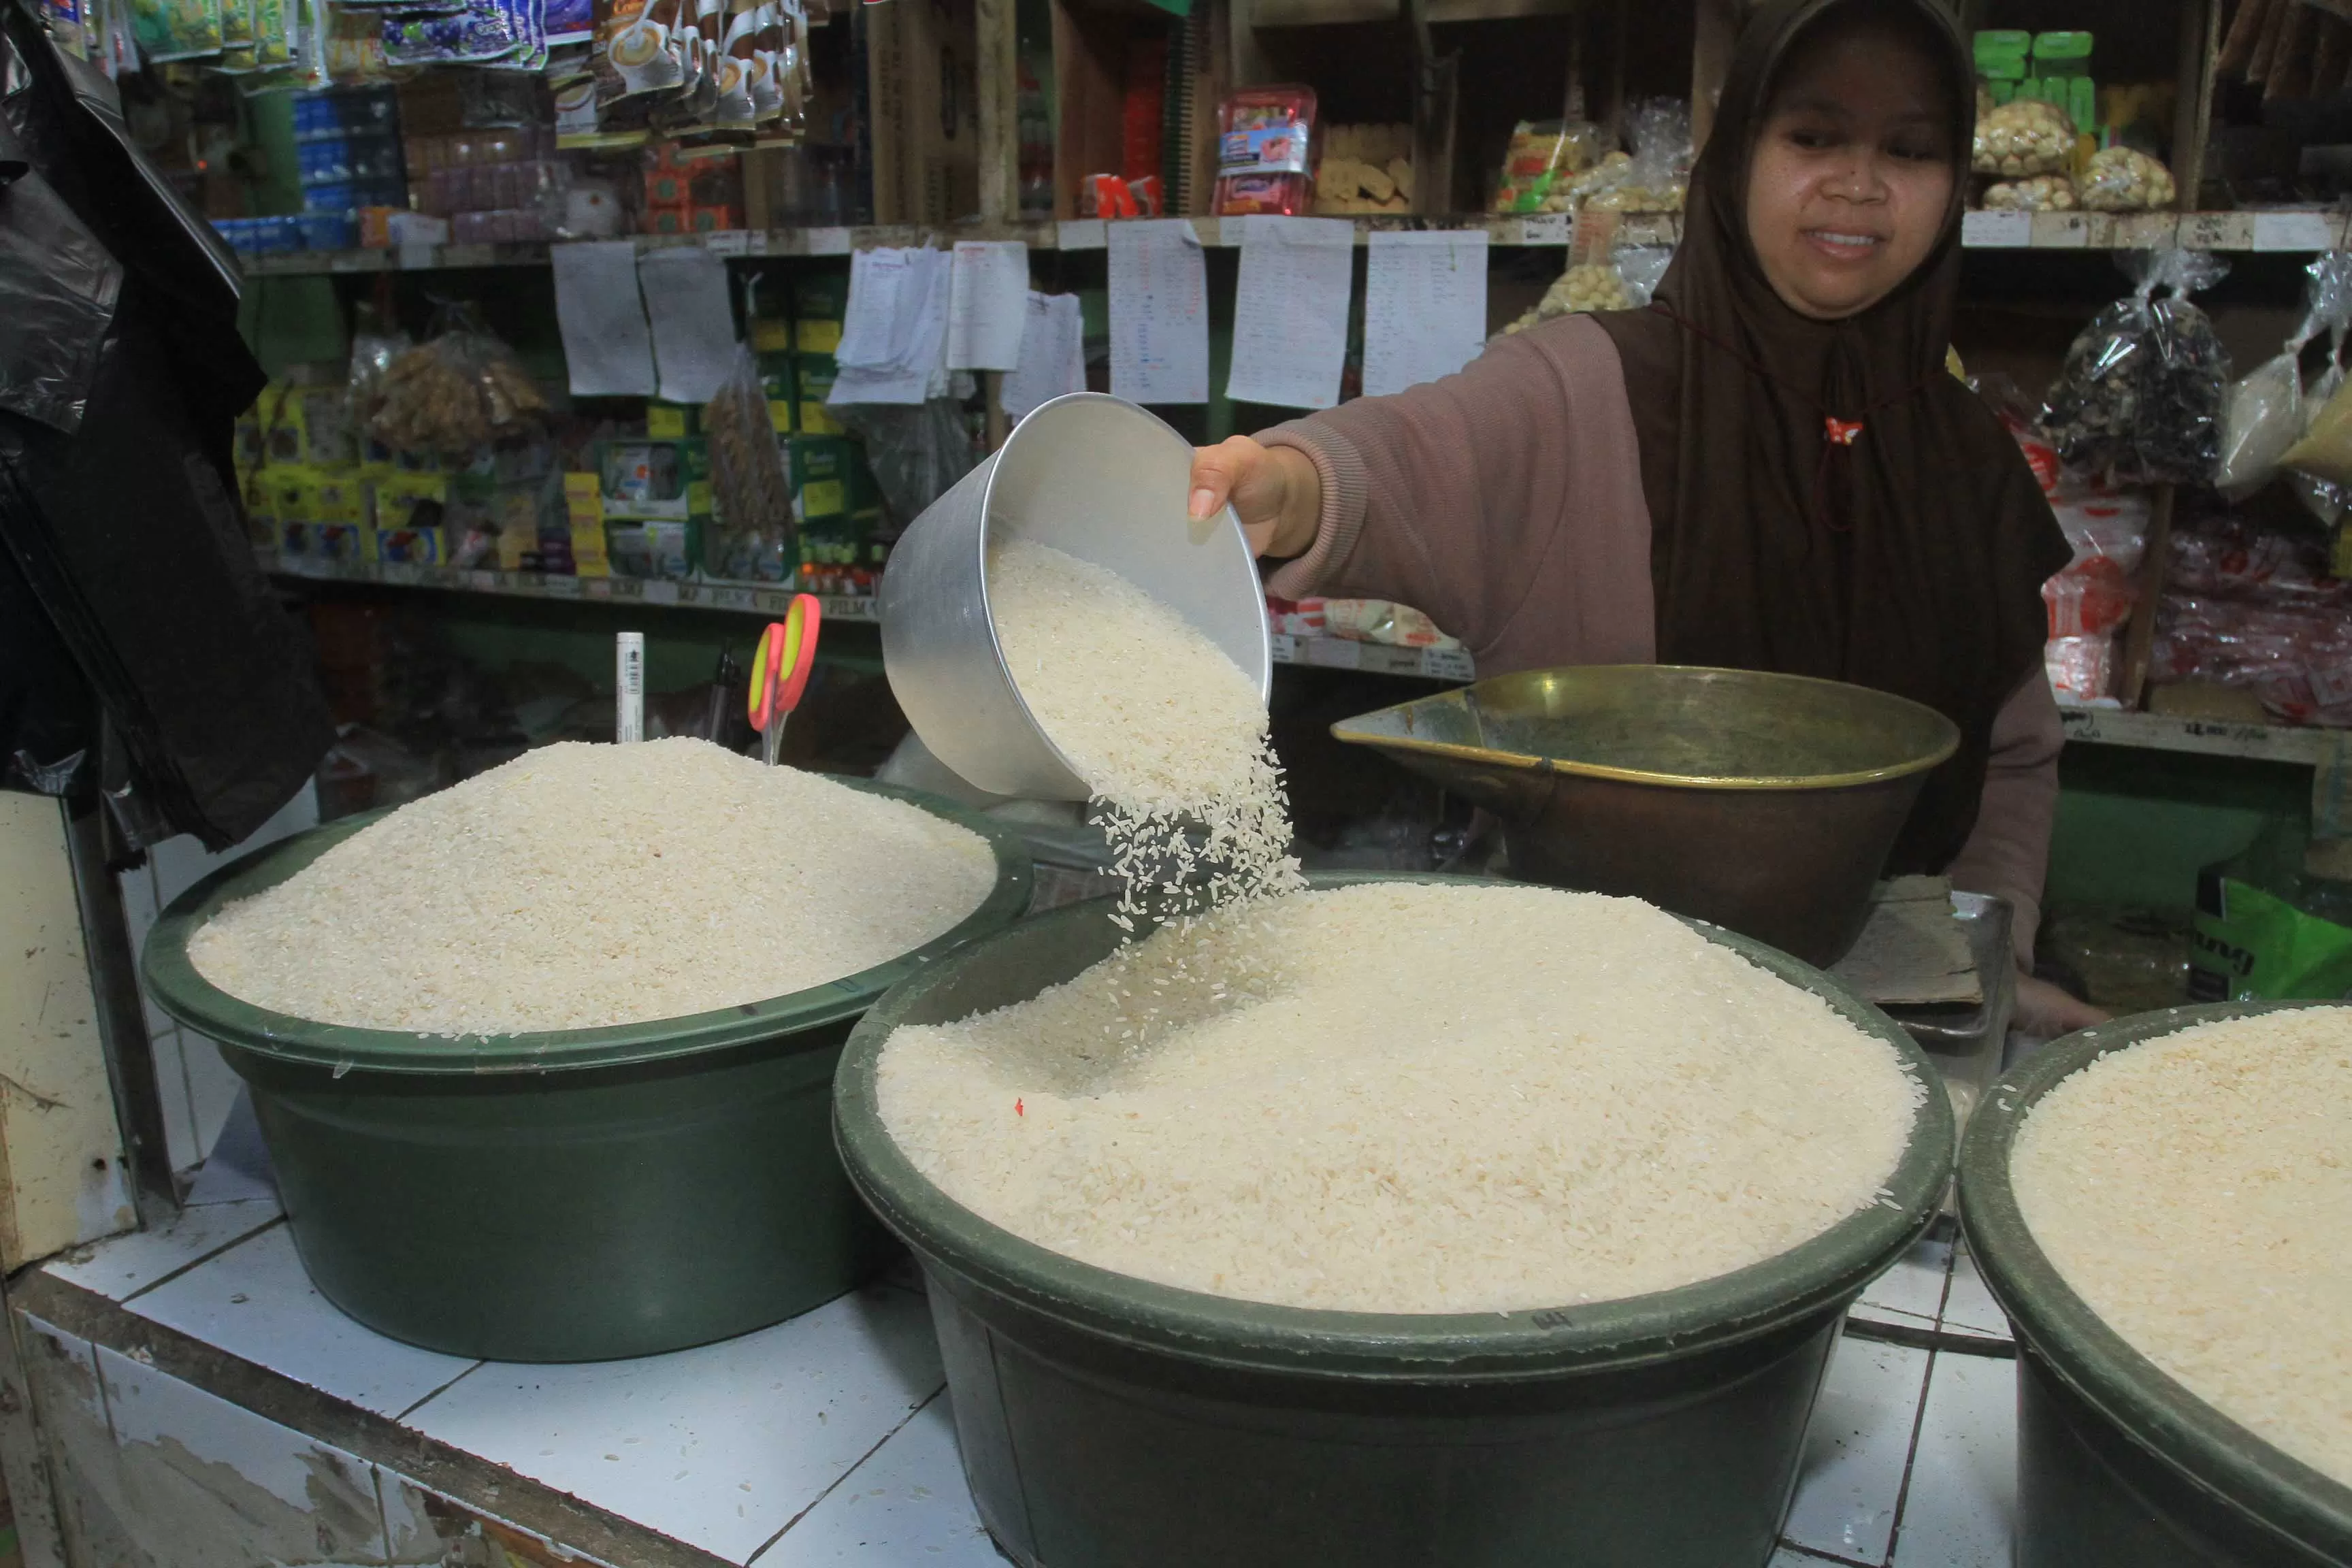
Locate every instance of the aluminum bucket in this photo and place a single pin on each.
(1101, 480)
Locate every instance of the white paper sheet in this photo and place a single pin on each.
(1053, 355)
(685, 290)
(987, 304)
(607, 348)
(1159, 312)
(1290, 311)
(894, 341)
(1424, 307)
(876, 278)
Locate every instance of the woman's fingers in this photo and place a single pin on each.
(1236, 471)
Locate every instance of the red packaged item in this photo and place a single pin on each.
(1144, 195)
(1264, 151)
(1106, 195)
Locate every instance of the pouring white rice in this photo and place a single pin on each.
(2196, 1192)
(1166, 731)
(1410, 1098)
(586, 885)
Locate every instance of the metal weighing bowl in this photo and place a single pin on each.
(1106, 1419)
(566, 1196)
(1098, 479)
(1764, 803)
(2119, 1464)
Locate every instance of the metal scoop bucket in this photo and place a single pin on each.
(1098, 479)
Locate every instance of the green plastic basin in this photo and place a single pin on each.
(2118, 1466)
(1104, 1419)
(566, 1196)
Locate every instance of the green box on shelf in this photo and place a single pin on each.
(657, 499)
(778, 385)
(821, 470)
(820, 294)
(813, 378)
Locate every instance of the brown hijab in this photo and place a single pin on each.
(1910, 560)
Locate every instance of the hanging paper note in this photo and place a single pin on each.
(988, 304)
(693, 324)
(1053, 355)
(1290, 311)
(1424, 307)
(894, 339)
(607, 349)
(1159, 312)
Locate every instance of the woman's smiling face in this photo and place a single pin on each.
(1850, 179)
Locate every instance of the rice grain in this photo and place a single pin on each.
(579, 886)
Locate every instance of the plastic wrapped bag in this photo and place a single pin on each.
(753, 511)
(2036, 194)
(2024, 136)
(2140, 399)
(2121, 179)
(1655, 177)
(1542, 161)
(915, 450)
(460, 389)
(2265, 414)
(1624, 283)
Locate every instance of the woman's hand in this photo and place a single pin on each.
(1274, 491)
(2047, 1012)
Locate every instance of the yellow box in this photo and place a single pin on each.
(816, 337)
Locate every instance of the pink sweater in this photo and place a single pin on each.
(1507, 503)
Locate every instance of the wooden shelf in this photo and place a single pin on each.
(772, 600)
(2292, 232)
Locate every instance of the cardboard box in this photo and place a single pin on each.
(923, 97)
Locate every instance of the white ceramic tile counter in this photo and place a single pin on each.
(828, 1439)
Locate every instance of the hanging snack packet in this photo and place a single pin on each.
(177, 29)
(460, 390)
(753, 495)
(2139, 398)
(739, 67)
(767, 50)
(2265, 416)
(633, 55)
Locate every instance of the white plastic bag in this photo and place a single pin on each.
(2266, 412)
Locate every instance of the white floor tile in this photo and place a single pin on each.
(254, 1301)
(1864, 1312)
(1964, 1479)
(212, 1087)
(129, 1264)
(1790, 1557)
(1915, 1286)
(721, 1446)
(205, 1470)
(906, 1504)
(1971, 1305)
(1855, 1449)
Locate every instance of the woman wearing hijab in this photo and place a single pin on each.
(1769, 469)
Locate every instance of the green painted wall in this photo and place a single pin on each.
(2134, 828)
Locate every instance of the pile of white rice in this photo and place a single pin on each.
(1410, 1098)
(585, 885)
(2196, 1191)
(1167, 730)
